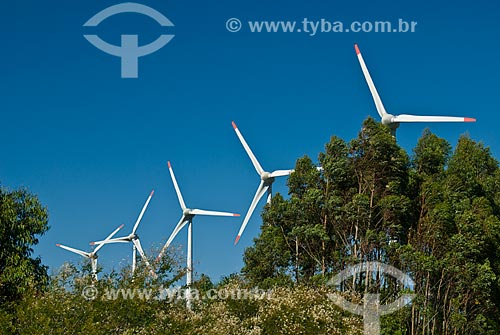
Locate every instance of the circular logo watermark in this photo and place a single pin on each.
(90, 292)
(371, 310)
(129, 51)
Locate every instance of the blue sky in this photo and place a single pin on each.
(92, 145)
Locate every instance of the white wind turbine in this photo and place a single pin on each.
(393, 121)
(134, 238)
(187, 218)
(266, 182)
(91, 255)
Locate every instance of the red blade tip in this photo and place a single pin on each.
(236, 214)
(121, 226)
(169, 165)
(357, 49)
(58, 245)
(469, 119)
(237, 239)
(234, 125)
(152, 192)
(92, 243)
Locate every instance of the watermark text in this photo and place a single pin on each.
(313, 27)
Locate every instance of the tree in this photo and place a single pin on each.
(22, 220)
(266, 263)
(431, 154)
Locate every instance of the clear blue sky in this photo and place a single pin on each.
(92, 145)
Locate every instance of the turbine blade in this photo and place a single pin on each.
(112, 240)
(212, 213)
(423, 118)
(177, 228)
(177, 190)
(142, 212)
(137, 244)
(376, 98)
(76, 251)
(281, 173)
(254, 160)
(108, 238)
(261, 190)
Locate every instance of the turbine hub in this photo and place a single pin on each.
(265, 176)
(387, 119)
(186, 212)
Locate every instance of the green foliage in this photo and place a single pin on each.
(22, 220)
(431, 154)
(62, 309)
(436, 217)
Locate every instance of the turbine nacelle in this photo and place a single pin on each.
(187, 212)
(267, 178)
(387, 119)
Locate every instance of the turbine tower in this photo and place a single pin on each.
(134, 238)
(393, 121)
(187, 218)
(91, 255)
(266, 182)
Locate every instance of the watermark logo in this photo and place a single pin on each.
(90, 292)
(129, 51)
(371, 310)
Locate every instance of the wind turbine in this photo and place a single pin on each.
(134, 238)
(187, 218)
(266, 182)
(393, 121)
(91, 255)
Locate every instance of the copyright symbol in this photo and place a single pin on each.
(233, 25)
(89, 292)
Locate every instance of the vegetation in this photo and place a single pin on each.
(22, 219)
(435, 215)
